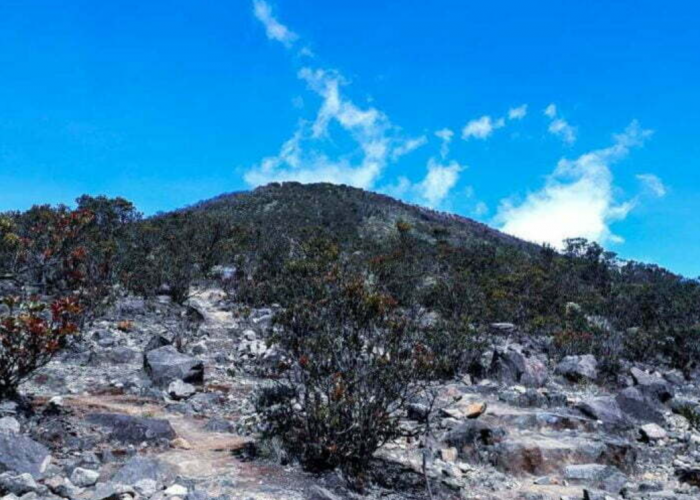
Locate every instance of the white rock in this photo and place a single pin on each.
(176, 490)
(181, 390)
(83, 478)
(652, 432)
(9, 424)
(146, 487)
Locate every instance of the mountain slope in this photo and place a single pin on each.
(347, 212)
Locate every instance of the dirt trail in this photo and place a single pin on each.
(209, 457)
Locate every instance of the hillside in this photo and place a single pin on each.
(321, 342)
(346, 212)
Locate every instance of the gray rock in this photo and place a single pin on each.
(180, 390)
(9, 424)
(104, 338)
(605, 409)
(652, 432)
(511, 365)
(166, 364)
(62, 487)
(578, 368)
(651, 385)
(604, 477)
(135, 430)
(19, 484)
(84, 478)
(156, 342)
(146, 487)
(121, 355)
(137, 469)
(637, 406)
(319, 493)
(219, 425)
(112, 491)
(20, 454)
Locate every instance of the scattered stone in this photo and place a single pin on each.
(166, 364)
(578, 368)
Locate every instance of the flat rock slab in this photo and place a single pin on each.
(139, 468)
(135, 430)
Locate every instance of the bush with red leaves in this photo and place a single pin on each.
(31, 333)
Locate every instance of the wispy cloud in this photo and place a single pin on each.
(577, 199)
(273, 28)
(439, 181)
(445, 135)
(374, 140)
(481, 128)
(559, 126)
(653, 184)
(517, 113)
(408, 146)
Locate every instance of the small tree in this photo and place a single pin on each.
(31, 333)
(354, 360)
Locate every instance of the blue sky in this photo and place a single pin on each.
(546, 119)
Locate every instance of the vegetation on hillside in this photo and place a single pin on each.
(378, 298)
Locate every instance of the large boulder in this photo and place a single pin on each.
(20, 454)
(605, 409)
(578, 368)
(511, 365)
(128, 429)
(604, 477)
(166, 364)
(652, 385)
(639, 407)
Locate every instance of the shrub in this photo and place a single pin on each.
(31, 333)
(354, 359)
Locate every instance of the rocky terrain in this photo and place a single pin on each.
(154, 402)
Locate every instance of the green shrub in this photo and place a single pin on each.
(354, 359)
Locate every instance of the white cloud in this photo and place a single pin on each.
(481, 128)
(445, 135)
(550, 111)
(408, 146)
(374, 140)
(558, 126)
(562, 129)
(653, 184)
(517, 113)
(577, 199)
(274, 29)
(480, 209)
(438, 182)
